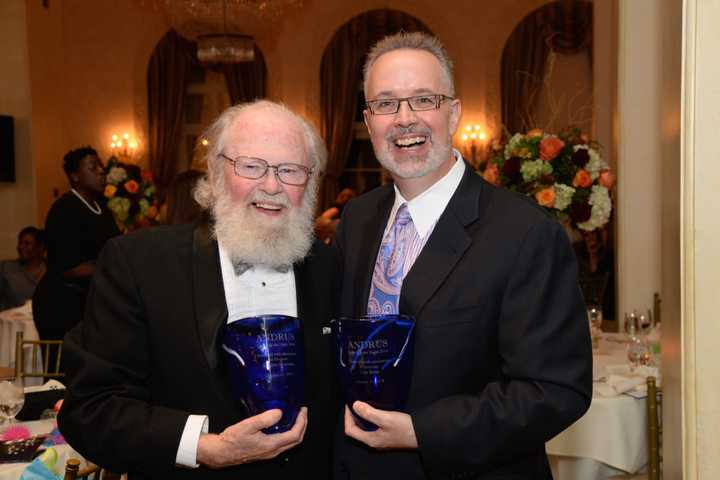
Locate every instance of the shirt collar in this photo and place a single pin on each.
(426, 208)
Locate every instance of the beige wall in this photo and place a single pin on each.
(88, 61)
(17, 200)
(700, 233)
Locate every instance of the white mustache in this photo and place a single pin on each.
(278, 199)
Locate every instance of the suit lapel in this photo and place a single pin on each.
(445, 247)
(367, 252)
(210, 305)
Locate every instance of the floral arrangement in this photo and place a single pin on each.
(131, 195)
(563, 173)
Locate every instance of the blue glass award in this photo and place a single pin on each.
(374, 361)
(265, 359)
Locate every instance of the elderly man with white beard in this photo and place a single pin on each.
(148, 392)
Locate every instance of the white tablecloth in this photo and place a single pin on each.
(15, 320)
(613, 432)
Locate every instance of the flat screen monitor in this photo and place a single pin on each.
(7, 149)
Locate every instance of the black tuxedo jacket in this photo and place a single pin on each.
(146, 356)
(502, 359)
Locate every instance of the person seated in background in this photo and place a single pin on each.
(180, 206)
(326, 224)
(18, 278)
(76, 228)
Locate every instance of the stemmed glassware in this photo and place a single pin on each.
(595, 317)
(12, 398)
(638, 351)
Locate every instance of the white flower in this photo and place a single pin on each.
(116, 175)
(534, 169)
(120, 207)
(513, 144)
(596, 164)
(601, 208)
(563, 196)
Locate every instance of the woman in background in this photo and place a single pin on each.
(18, 278)
(77, 226)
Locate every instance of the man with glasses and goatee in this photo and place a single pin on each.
(502, 356)
(148, 393)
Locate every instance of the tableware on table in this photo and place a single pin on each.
(265, 358)
(595, 318)
(638, 352)
(374, 356)
(12, 398)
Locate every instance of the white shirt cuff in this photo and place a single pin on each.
(187, 450)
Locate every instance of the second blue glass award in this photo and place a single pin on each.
(374, 361)
(265, 358)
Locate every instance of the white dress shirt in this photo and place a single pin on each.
(426, 208)
(257, 291)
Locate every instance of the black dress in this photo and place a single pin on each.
(74, 235)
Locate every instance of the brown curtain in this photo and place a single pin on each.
(246, 81)
(340, 77)
(565, 27)
(167, 78)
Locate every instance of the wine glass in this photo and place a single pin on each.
(595, 317)
(638, 352)
(12, 398)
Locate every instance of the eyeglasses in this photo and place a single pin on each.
(419, 103)
(255, 168)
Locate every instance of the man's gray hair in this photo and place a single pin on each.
(208, 187)
(411, 41)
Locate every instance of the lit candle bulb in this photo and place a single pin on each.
(473, 135)
(114, 137)
(482, 136)
(126, 136)
(464, 137)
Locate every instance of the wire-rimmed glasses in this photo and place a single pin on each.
(418, 103)
(255, 168)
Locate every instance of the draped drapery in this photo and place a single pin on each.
(245, 81)
(167, 78)
(564, 27)
(340, 78)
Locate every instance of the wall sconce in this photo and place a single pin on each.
(124, 148)
(473, 137)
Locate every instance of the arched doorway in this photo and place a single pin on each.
(184, 95)
(351, 162)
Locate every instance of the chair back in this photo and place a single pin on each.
(47, 351)
(654, 414)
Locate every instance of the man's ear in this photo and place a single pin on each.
(366, 119)
(455, 115)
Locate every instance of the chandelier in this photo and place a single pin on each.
(196, 18)
(225, 47)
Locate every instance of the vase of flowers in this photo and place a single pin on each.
(130, 193)
(564, 173)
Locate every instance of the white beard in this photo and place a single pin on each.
(255, 239)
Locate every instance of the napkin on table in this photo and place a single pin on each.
(620, 379)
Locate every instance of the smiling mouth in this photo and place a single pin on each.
(270, 207)
(409, 142)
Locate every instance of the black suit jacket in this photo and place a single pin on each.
(502, 359)
(146, 356)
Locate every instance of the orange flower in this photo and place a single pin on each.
(110, 191)
(606, 179)
(546, 197)
(151, 212)
(550, 147)
(582, 179)
(491, 174)
(535, 132)
(132, 186)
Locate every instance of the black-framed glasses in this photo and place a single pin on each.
(418, 103)
(256, 168)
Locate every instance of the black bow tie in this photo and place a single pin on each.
(242, 267)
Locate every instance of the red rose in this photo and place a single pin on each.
(132, 186)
